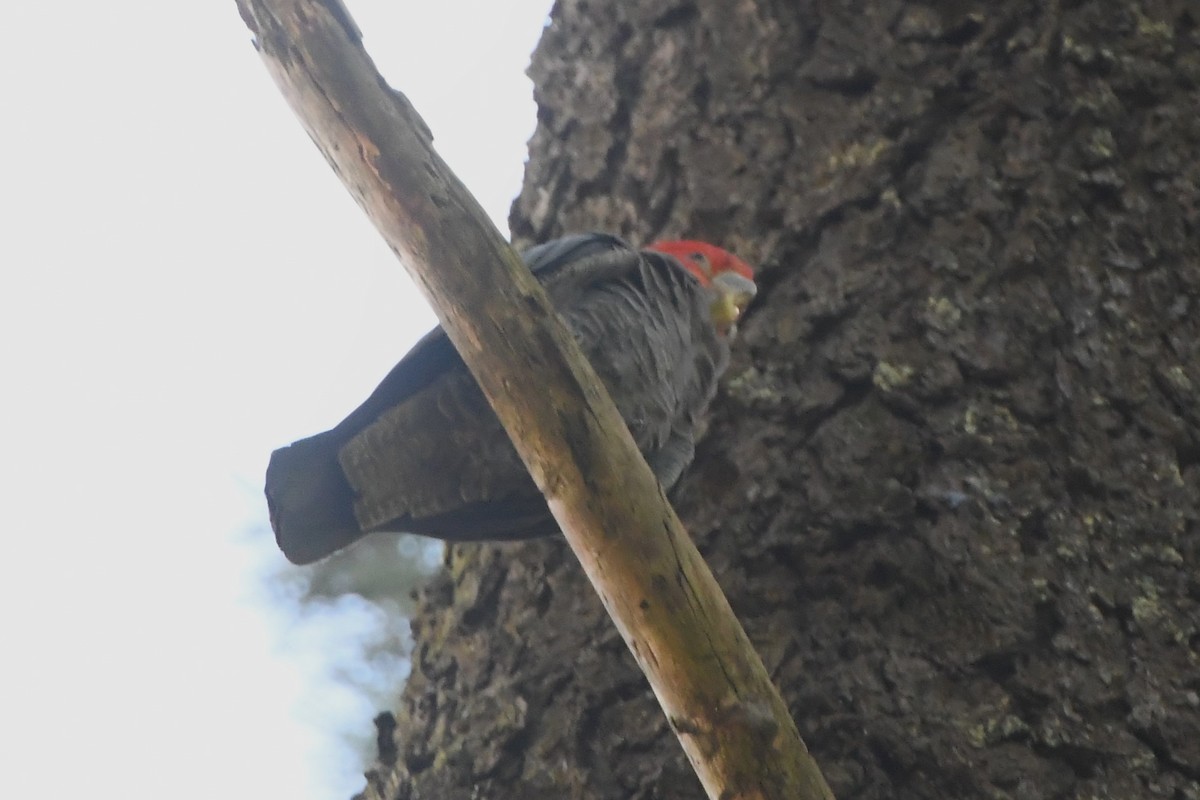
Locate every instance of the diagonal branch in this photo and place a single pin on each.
(718, 697)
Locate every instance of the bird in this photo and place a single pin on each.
(656, 325)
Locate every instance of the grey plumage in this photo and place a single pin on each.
(642, 320)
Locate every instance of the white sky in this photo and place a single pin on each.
(184, 285)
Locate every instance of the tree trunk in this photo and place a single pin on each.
(956, 462)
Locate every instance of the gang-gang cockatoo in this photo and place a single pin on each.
(655, 324)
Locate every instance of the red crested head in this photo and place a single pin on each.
(703, 260)
(730, 279)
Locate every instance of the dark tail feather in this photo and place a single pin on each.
(311, 504)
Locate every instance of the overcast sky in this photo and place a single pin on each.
(186, 286)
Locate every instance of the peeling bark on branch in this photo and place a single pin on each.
(714, 689)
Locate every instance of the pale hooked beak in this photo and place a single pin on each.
(733, 293)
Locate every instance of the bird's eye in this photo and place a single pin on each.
(701, 261)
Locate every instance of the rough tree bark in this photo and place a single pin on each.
(956, 464)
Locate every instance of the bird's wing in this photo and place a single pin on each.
(439, 462)
(309, 497)
(434, 354)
